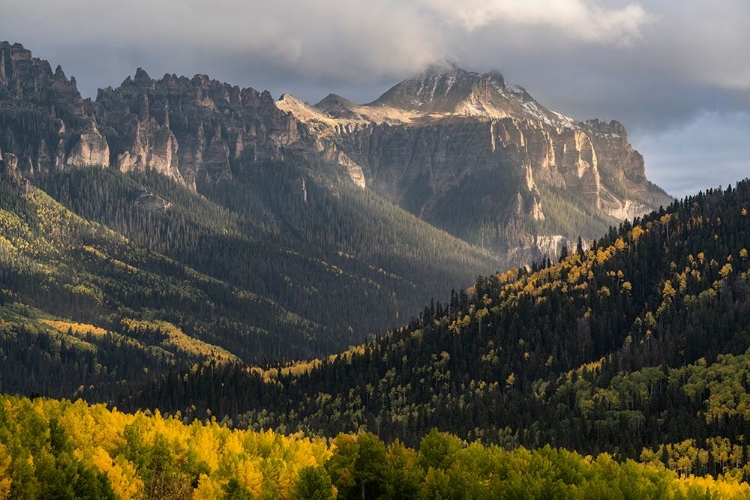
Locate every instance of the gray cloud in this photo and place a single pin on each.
(574, 18)
(665, 69)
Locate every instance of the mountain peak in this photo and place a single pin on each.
(141, 76)
(337, 106)
(443, 68)
(439, 88)
(447, 88)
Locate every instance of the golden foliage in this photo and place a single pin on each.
(268, 465)
(180, 340)
(98, 436)
(5, 481)
(78, 329)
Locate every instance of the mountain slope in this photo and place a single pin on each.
(272, 217)
(202, 235)
(82, 308)
(486, 161)
(463, 151)
(615, 348)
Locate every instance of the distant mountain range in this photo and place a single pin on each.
(463, 151)
(272, 225)
(333, 221)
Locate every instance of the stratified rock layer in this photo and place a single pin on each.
(479, 158)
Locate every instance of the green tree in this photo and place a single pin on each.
(438, 450)
(341, 465)
(314, 483)
(369, 465)
(234, 491)
(402, 475)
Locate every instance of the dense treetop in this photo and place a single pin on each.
(59, 449)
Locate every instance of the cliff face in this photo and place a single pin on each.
(47, 125)
(464, 151)
(193, 130)
(485, 161)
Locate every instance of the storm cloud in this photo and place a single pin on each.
(677, 74)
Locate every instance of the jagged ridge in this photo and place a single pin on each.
(464, 151)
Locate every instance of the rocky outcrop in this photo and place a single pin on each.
(152, 202)
(49, 126)
(627, 191)
(9, 165)
(466, 152)
(484, 160)
(27, 79)
(91, 150)
(321, 133)
(194, 130)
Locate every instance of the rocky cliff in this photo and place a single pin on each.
(45, 122)
(193, 130)
(486, 161)
(466, 152)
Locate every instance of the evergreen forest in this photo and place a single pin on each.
(637, 346)
(251, 323)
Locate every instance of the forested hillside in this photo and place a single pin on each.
(184, 247)
(638, 346)
(84, 308)
(315, 254)
(230, 281)
(51, 449)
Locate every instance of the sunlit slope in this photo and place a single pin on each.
(74, 292)
(346, 261)
(53, 449)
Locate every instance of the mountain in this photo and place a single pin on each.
(298, 260)
(638, 346)
(487, 162)
(463, 151)
(265, 230)
(197, 131)
(83, 309)
(173, 243)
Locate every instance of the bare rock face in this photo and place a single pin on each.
(195, 130)
(483, 160)
(9, 165)
(91, 150)
(468, 153)
(628, 192)
(50, 127)
(26, 78)
(152, 202)
(216, 159)
(140, 129)
(321, 133)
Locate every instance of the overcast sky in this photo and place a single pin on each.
(676, 73)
